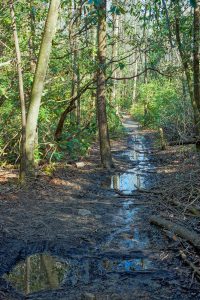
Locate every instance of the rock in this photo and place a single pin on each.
(80, 164)
(97, 216)
(84, 212)
(88, 296)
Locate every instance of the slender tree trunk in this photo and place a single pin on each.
(184, 61)
(27, 275)
(135, 83)
(21, 93)
(77, 67)
(78, 109)
(38, 85)
(104, 140)
(196, 81)
(196, 40)
(32, 38)
(136, 69)
(168, 23)
(115, 21)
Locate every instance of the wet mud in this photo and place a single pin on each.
(102, 247)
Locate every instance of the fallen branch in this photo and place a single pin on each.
(6, 63)
(187, 142)
(147, 191)
(192, 209)
(192, 266)
(139, 74)
(189, 235)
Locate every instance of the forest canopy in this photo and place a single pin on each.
(69, 68)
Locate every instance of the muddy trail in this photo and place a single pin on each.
(87, 234)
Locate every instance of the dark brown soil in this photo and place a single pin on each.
(75, 214)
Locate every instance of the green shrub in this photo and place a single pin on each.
(161, 103)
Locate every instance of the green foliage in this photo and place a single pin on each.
(142, 33)
(161, 103)
(114, 122)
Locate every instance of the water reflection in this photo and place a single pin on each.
(137, 264)
(37, 272)
(44, 272)
(127, 182)
(133, 179)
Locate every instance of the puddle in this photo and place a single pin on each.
(37, 272)
(43, 272)
(129, 235)
(127, 182)
(134, 178)
(137, 264)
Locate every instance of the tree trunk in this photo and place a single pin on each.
(115, 29)
(61, 122)
(27, 275)
(32, 38)
(38, 85)
(135, 82)
(184, 61)
(71, 106)
(21, 93)
(196, 48)
(105, 151)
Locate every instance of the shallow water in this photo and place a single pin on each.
(134, 178)
(40, 272)
(37, 272)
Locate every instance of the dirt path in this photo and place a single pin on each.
(86, 234)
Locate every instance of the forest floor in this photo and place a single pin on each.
(92, 227)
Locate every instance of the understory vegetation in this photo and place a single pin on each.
(161, 103)
(69, 69)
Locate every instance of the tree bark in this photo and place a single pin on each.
(105, 150)
(184, 60)
(21, 94)
(196, 40)
(115, 33)
(38, 85)
(135, 71)
(61, 122)
(32, 38)
(71, 106)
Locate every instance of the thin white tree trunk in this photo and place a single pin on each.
(21, 92)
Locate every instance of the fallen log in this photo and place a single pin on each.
(188, 235)
(186, 142)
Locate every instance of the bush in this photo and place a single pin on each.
(161, 103)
